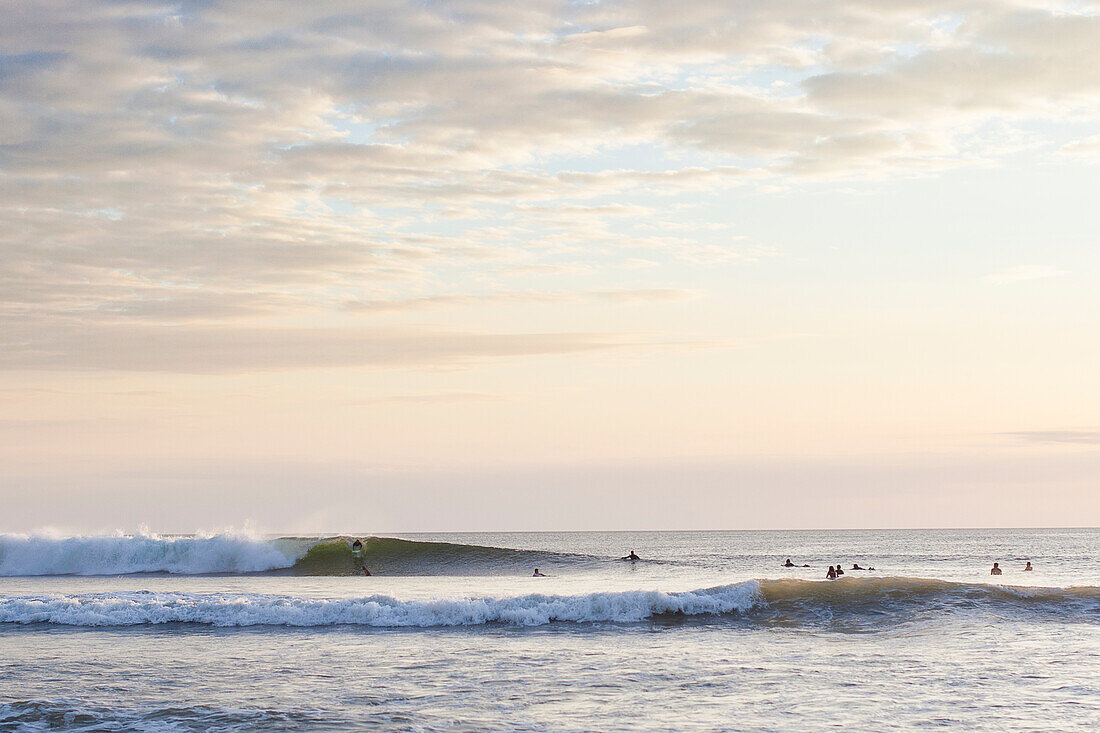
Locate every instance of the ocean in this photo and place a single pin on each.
(708, 631)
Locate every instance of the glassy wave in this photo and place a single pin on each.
(847, 603)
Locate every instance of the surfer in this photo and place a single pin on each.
(357, 547)
(632, 557)
(996, 569)
(831, 575)
(855, 566)
(789, 564)
(1028, 566)
(839, 571)
(539, 574)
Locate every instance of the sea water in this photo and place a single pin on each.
(708, 631)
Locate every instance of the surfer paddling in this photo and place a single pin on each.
(539, 574)
(632, 557)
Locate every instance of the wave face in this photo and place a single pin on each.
(143, 607)
(868, 603)
(392, 556)
(851, 604)
(27, 555)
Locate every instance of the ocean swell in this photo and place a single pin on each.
(854, 604)
(140, 608)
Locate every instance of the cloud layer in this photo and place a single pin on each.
(210, 165)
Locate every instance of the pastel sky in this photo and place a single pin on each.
(382, 266)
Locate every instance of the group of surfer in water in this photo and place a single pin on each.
(996, 570)
(835, 572)
(832, 574)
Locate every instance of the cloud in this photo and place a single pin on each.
(215, 164)
(1023, 273)
(1084, 146)
(646, 295)
(1079, 437)
(227, 350)
(432, 398)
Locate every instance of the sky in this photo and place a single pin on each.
(446, 266)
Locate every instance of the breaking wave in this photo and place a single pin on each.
(238, 553)
(28, 555)
(143, 607)
(850, 604)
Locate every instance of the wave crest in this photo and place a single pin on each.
(141, 608)
(30, 555)
(858, 604)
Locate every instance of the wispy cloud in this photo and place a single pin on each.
(1022, 273)
(1079, 437)
(226, 350)
(432, 398)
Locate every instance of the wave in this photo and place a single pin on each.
(237, 553)
(30, 555)
(144, 607)
(848, 604)
(393, 556)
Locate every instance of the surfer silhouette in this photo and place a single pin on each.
(855, 566)
(1028, 566)
(539, 574)
(831, 575)
(996, 569)
(789, 564)
(631, 557)
(357, 547)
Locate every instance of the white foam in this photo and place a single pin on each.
(134, 608)
(229, 552)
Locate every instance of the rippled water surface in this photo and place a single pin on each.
(707, 632)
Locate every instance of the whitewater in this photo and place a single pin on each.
(708, 631)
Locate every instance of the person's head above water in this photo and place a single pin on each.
(1028, 566)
